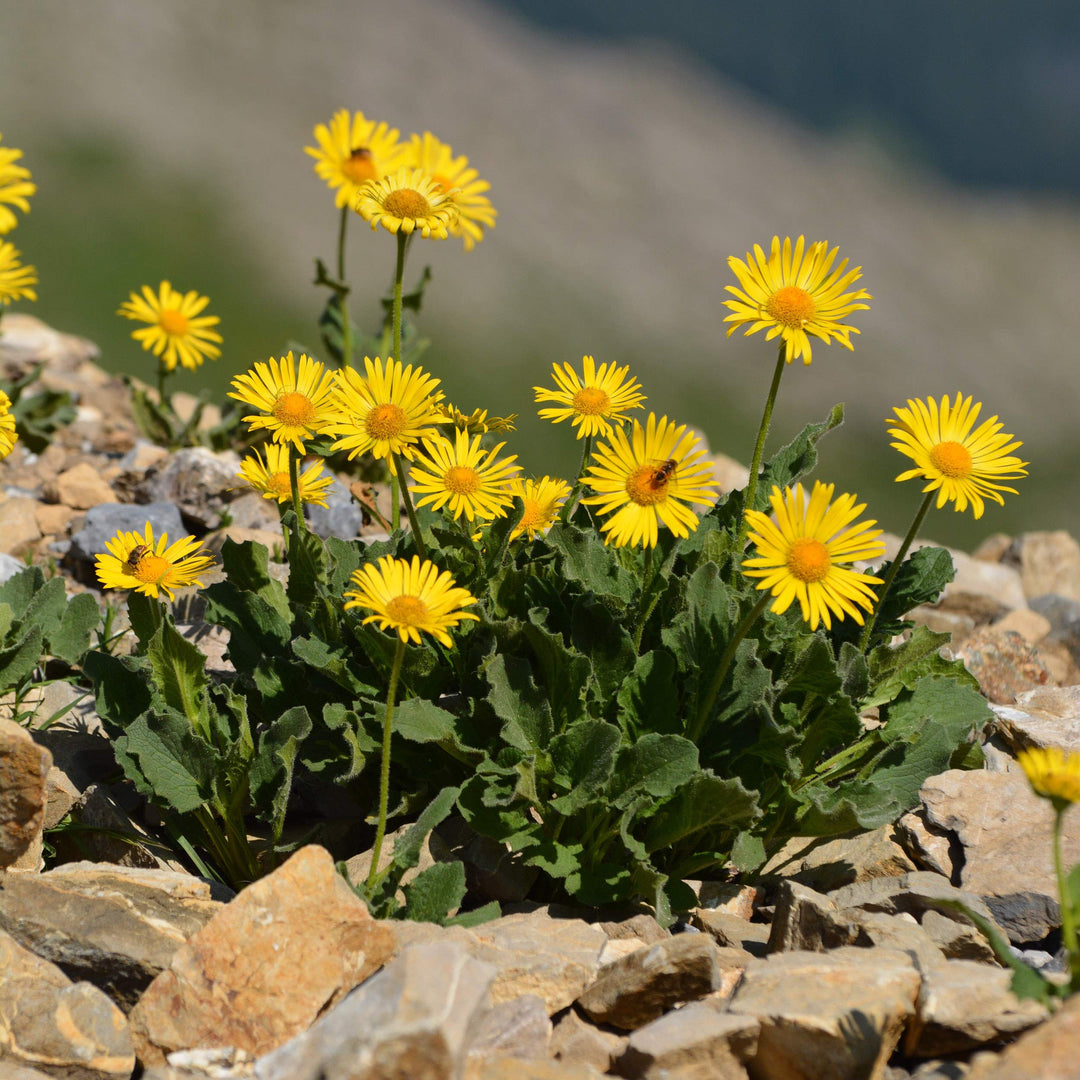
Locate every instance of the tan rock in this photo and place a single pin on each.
(1030, 625)
(286, 949)
(929, 848)
(24, 767)
(827, 864)
(731, 931)
(19, 530)
(1050, 563)
(53, 519)
(1047, 716)
(575, 1040)
(1004, 663)
(1049, 1052)
(738, 900)
(514, 1029)
(511, 1069)
(994, 548)
(642, 928)
(82, 487)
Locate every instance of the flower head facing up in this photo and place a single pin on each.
(453, 177)
(151, 566)
(177, 331)
(644, 481)
(407, 201)
(353, 150)
(15, 187)
(594, 402)
(801, 549)
(962, 465)
(410, 597)
(796, 294)
(386, 413)
(294, 404)
(462, 477)
(1053, 773)
(270, 476)
(8, 435)
(16, 281)
(543, 499)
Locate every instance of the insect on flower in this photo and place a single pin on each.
(136, 555)
(662, 474)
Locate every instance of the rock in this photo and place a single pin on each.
(78, 488)
(71, 1029)
(510, 1069)
(994, 548)
(965, 1005)
(24, 767)
(993, 581)
(1046, 1053)
(250, 510)
(1063, 614)
(513, 1029)
(26, 341)
(697, 1040)
(54, 520)
(19, 530)
(837, 1014)
(1050, 563)
(60, 796)
(412, 1020)
(290, 946)
(957, 940)
(730, 474)
(805, 919)
(731, 931)
(1030, 625)
(115, 927)
(576, 1040)
(738, 900)
(9, 567)
(199, 482)
(1004, 663)
(987, 812)
(930, 848)
(642, 986)
(1047, 716)
(827, 864)
(643, 928)
(104, 522)
(342, 516)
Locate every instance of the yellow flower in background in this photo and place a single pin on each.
(595, 400)
(962, 465)
(353, 150)
(388, 412)
(177, 330)
(801, 549)
(644, 481)
(406, 201)
(1053, 773)
(149, 566)
(795, 294)
(477, 422)
(543, 499)
(16, 281)
(454, 178)
(270, 476)
(410, 597)
(8, 435)
(463, 477)
(15, 187)
(295, 404)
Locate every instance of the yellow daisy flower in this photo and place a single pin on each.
(800, 550)
(795, 294)
(410, 597)
(16, 281)
(353, 150)
(592, 402)
(644, 480)
(15, 187)
(296, 404)
(543, 499)
(1053, 773)
(407, 201)
(462, 476)
(8, 435)
(176, 331)
(454, 178)
(960, 464)
(386, 413)
(270, 476)
(148, 565)
(477, 422)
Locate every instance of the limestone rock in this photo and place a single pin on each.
(78, 488)
(643, 928)
(738, 900)
(1004, 663)
(805, 919)
(24, 767)
(198, 481)
(71, 1029)
(928, 846)
(1047, 716)
(837, 1014)
(515, 1029)
(1050, 563)
(511, 1069)
(19, 530)
(1030, 625)
(1046, 1053)
(290, 946)
(827, 864)
(642, 986)
(113, 926)
(413, 1019)
(575, 1040)
(731, 931)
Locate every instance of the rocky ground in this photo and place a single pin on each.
(839, 964)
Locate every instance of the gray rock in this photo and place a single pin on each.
(1063, 614)
(914, 893)
(342, 516)
(198, 481)
(1046, 716)
(413, 1019)
(1048, 1052)
(513, 1029)
(10, 566)
(805, 919)
(104, 522)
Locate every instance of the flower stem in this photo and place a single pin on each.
(343, 293)
(395, 323)
(384, 773)
(164, 399)
(294, 485)
(648, 579)
(725, 662)
(759, 448)
(399, 470)
(571, 502)
(886, 585)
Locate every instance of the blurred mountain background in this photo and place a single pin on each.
(631, 148)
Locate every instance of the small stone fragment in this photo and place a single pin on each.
(1047, 716)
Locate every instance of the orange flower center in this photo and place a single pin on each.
(293, 409)
(645, 487)
(462, 480)
(407, 203)
(790, 306)
(279, 484)
(172, 322)
(442, 183)
(386, 421)
(951, 458)
(150, 569)
(534, 517)
(360, 166)
(808, 560)
(591, 401)
(407, 611)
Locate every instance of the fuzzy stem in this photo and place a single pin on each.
(648, 579)
(399, 470)
(759, 449)
(571, 502)
(294, 485)
(384, 772)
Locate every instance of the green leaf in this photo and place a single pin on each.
(655, 765)
(339, 750)
(583, 758)
(179, 671)
(421, 721)
(408, 846)
(272, 768)
(518, 701)
(648, 698)
(7, 619)
(920, 580)
(307, 566)
(796, 460)
(564, 672)
(121, 688)
(144, 615)
(17, 661)
(748, 852)
(46, 606)
(705, 803)
(154, 422)
(70, 640)
(588, 560)
(476, 917)
(257, 628)
(894, 670)
(19, 589)
(596, 633)
(436, 892)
